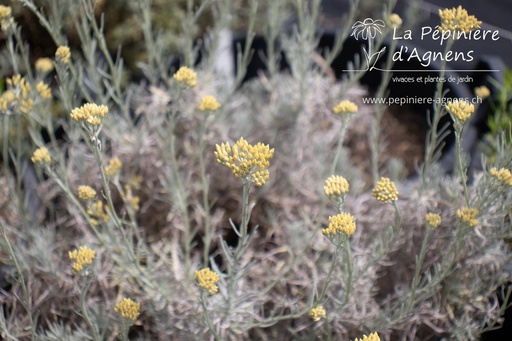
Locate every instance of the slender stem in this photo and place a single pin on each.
(419, 265)
(204, 181)
(339, 147)
(348, 262)
(207, 317)
(21, 279)
(85, 311)
(334, 262)
(460, 166)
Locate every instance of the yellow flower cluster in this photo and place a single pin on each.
(5, 12)
(41, 156)
(90, 113)
(502, 175)
(63, 54)
(98, 211)
(394, 20)
(458, 19)
(7, 97)
(482, 91)
(208, 103)
(345, 107)
(433, 220)
(246, 161)
(340, 223)
(44, 65)
(130, 199)
(186, 76)
(113, 167)
(468, 216)
(336, 186)
(460, 110)
(81, 258)
(317, 313)
(22, 93)
(371, 337)
(207, 279)
(385, 191)
(86, 192)
(44, 90)
(128, 309)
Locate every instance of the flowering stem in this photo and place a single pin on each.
(419, 265)
(334, 262)
(182, 200)
(207, 318)
(343, 129)
(204, 181)
(460, 166)
(348, 262)
(85, 311)
(26, 303)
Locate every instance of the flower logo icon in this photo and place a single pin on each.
(367, 28)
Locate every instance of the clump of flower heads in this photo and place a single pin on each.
(5, 17)
(90, 113)
(98, 212)
(394, 20)
(6, 99)
(44, 65)
(186, 76)
(209, 103)
(44, 90)
(41, 156)
(502, 175)
(113, 167)
(341, 223)
(207, 279)
(22, 91)
(63, 54)
(482, 91)
(317, 313)
(86, 192)
(468, 216)
(460, 110)
(345, 107)
(128, 309)
(433, 220)
(385, 191)
(82, 258)
(132, 200)
(458, 20)
(336, 186)
(371, 337)
(246, 161)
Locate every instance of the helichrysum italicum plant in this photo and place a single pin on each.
(468, 216)
(458, 20)
(317, 313)
(41, 156)
(113, 167)
(502, 175)
(371, 337)
(482, 91)
(336, 187)
(207, 279)
(186, 76)
(86, 192)
(385, 191)
(246, 161)
(63, 54)
(208, 103)
(345, 107)
(44, 65)
(128, 309)
(90, 113)
(394, 20)
(82, 258)
(433, 220)
(44, 90)
(460, 110)
(342, 223)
